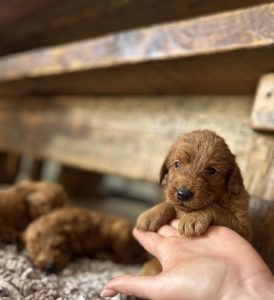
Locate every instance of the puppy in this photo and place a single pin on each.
(203, 185)
(53, 240)
(25, 202)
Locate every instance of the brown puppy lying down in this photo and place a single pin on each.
(202, 186)
(69, 232)
(25, 202)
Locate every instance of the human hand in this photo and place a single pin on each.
(217, 265)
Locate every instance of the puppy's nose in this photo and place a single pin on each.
(50, 268)
(183, 194)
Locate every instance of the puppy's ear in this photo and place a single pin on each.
(235, 180)
(163, 173)
(37, 204)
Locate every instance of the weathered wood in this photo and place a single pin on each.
(263, 109)
(260, 166)
(80, 183)
(204, 35)
(229, 73)
(10, 163)
(126, 136)
(26, 24)
(259, 175)
(36, 169)
(168, 58)
(262, 217)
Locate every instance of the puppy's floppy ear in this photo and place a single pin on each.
(163, 173)
(235, 180)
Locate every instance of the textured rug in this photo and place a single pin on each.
(81, 280)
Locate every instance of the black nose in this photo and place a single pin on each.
(50, 268)
(183, 194)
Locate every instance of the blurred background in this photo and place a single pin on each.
(93, 93)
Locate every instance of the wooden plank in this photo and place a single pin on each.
(178, 39)
(36, 169)
(228, 73)
(26, 24)
(10, 163)
(262, 217)
(263, 109)
(130, 140)
(260, 166)
(80, 183)
(168, 58)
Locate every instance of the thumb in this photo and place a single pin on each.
(138, 286)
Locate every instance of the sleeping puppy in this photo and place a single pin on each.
(66, 233)
(24, 202)
(203, 185)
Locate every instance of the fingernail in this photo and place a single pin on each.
(108, 293)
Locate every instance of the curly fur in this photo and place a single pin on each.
(69, 232)
(218, 198)
(25, 202)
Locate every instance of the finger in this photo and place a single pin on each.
(138, 286)
(174, 223)
(168, 231)
(149, 240)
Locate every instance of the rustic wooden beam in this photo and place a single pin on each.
(263, 109)
(262, 217)
(130, 140)
(226, 73)
(205, 35)
(168, 58)
(27, 24)
(259, 175)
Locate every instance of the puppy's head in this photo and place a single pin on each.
(199, 170)
(41, 197)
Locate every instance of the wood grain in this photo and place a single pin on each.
(259, 175)
(227, 73)
(125, 136)
(213, 34)
(26, 24)
(143, 65)
(262, 217)
(263, 109)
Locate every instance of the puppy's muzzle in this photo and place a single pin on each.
(183, 194)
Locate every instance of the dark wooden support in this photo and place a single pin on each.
(10, 163)
(36, 169)
(80, 183)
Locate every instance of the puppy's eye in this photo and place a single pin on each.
(177, 164)
(211, 171)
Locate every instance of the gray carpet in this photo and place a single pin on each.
(81, 280)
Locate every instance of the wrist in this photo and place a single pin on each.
(259, 287)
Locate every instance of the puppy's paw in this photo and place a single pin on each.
(193, 224)
(148, 221)
(155, 217)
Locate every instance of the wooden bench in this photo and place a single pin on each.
(116, 95)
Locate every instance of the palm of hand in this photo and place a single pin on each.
(217, 265)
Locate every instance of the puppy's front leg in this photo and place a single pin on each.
(154, 218)
(238, 220)
(196, 223)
